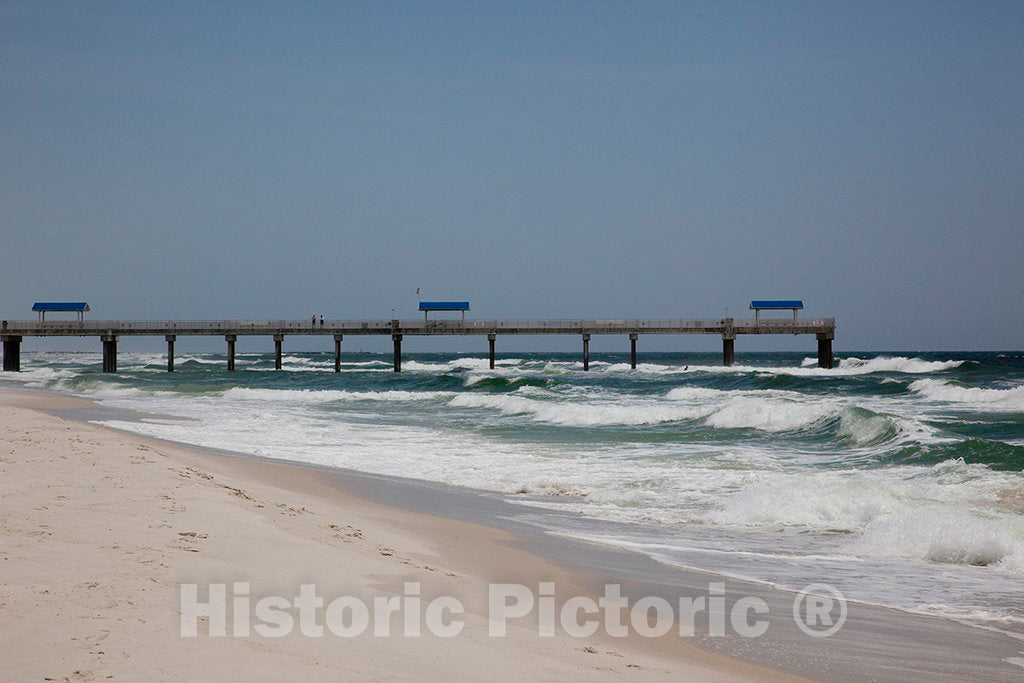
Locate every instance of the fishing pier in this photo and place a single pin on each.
(109, 331)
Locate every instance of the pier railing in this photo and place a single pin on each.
(413, 326)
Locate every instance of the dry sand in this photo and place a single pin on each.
(98, 529)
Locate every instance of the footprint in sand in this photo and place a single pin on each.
(346, 533)
(190, 537)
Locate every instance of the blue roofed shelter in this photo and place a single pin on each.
(44, 307)
(759, 305)
(428, 306)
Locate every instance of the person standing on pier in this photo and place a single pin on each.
(321, 320)
(312, 320)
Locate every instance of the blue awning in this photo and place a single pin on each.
(779, 304)
(60, 306)
(444, 305)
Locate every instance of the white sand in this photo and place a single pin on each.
(98, 528)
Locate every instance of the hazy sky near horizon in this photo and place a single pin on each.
(548, 159)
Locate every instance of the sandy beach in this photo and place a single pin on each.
(100, 528)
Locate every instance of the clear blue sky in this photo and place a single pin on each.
(647, 159)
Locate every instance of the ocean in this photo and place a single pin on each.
(896, 478)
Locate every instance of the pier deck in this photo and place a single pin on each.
(12, 332)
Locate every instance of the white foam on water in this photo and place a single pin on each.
(765, 410)
(553, 488)
(819, 500)
(847, 367)
(967, 614)
(940, 514)
(769, 415)
(327, 395)
(900, 364)
(473, 363)
(941, 390)
(698, 394)
(860, 428)
(38, 377)
(512, 373)
(181, 360)
(641, 368)
(418, 366)
(574, 414)
(947, 534)
(655, 546)
(107, 390)
(536, 392)
(459, 364)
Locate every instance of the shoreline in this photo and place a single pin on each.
(112, 608)
(441, 515)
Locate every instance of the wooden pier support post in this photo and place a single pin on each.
(632, 349)
(397, 339)
(825, 359)
(490, 343)
(586, 351)
(230, 339)
(728, 350)
(109, 352)
(170, 351)
(278, 338)
(337, 352)
(12, 353)
(728, 342)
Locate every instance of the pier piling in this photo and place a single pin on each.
(109, 352)
(12, 353)
(728, 350)
(170, 351)
(586, 351)
(825, 359)
(337, 352)
(490, 344)
(397, 339)
(632, 349)
(230, 339)
(728, 342)
(278, 338)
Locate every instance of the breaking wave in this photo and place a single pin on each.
(919, 516)
(326, 396)
(902, 364)
(769, 415)
(942, 390)
(947, 535)
(569, 414)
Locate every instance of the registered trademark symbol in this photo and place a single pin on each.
(819, 610)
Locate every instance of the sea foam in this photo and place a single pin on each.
(941, 390)
(574, 414)
(325, 396)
